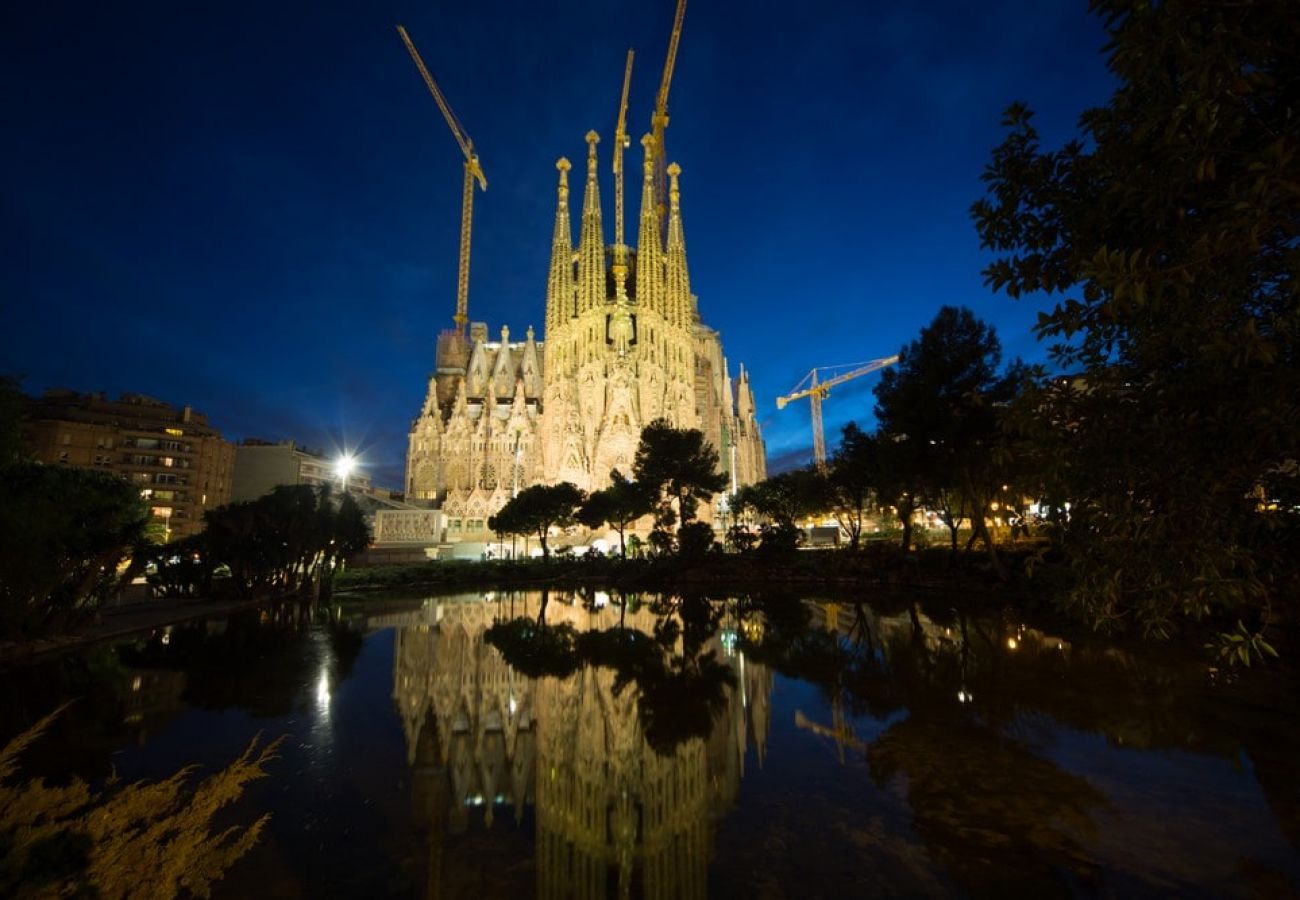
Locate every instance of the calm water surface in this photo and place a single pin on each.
(568, 745)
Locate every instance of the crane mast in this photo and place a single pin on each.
(473, 173)
(659, 120)
(621, 143)
(818, 390)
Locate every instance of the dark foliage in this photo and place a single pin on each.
(538, 509)
(680, 467)
(1170, 230)
(66, 538)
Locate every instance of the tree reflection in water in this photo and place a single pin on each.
(618, 720)
(979, 754)
(974, 705)
(681, 687)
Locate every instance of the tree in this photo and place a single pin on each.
(537, 509)
(285, 540)
(618, 505)
(679, 466)
(12, 406)
(347, 533)
(66, 536)
(897, 481)
(1168, 230)
(851, 478)
(783, 500)
(939, 406)
(695, 541)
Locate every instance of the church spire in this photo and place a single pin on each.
(649, 274)
(744, 396)
(559, 285)
(591, 246)
(677, 281)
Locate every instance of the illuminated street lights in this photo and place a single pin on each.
(343, 467)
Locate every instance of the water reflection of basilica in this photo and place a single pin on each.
(612, 814)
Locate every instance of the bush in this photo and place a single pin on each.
(125, 840)
(694, 541)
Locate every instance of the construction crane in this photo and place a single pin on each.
(659, 120)
(473, 172)
(621, 143)
(817, 390)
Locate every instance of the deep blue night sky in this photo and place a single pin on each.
(254, 208)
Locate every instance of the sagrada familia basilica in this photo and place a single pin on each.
(624, 344)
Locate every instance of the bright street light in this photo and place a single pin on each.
(343, 467)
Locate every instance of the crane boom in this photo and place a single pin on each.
(620, 144)
(659, 120)
(817, 391)
(473, 172)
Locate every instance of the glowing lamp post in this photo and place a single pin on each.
(343, 467)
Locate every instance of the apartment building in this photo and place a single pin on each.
(181, 464)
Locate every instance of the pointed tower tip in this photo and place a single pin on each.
(593, 139)
(674, 170)
(564, 166)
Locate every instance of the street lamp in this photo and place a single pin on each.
(343, 467)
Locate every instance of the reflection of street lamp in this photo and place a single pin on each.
(343, 467)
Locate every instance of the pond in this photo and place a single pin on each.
(588, 745)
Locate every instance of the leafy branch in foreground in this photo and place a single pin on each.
(1165, 237)
(138, 839)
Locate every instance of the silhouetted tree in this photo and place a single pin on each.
(12, 408)
(850, 480)
(618, 506)
(680, 466)
(537, 509)
(65, 534)
(695, 541)
(940, 405)
(782, 500)
(280, 542)
(1170, 227)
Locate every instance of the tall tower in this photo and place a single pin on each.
(591, 246)
(649, 264)
(559, 283)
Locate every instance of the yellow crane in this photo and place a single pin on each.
(659, 120)
(621, 143)
(817, 390)
(473, 172)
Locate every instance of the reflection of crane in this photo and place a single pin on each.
(817, 391)
(473, 172)
(659, 120)
(620, 144)
(839, 730)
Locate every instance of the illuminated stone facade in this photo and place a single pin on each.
(624, 345)
(609, 809)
